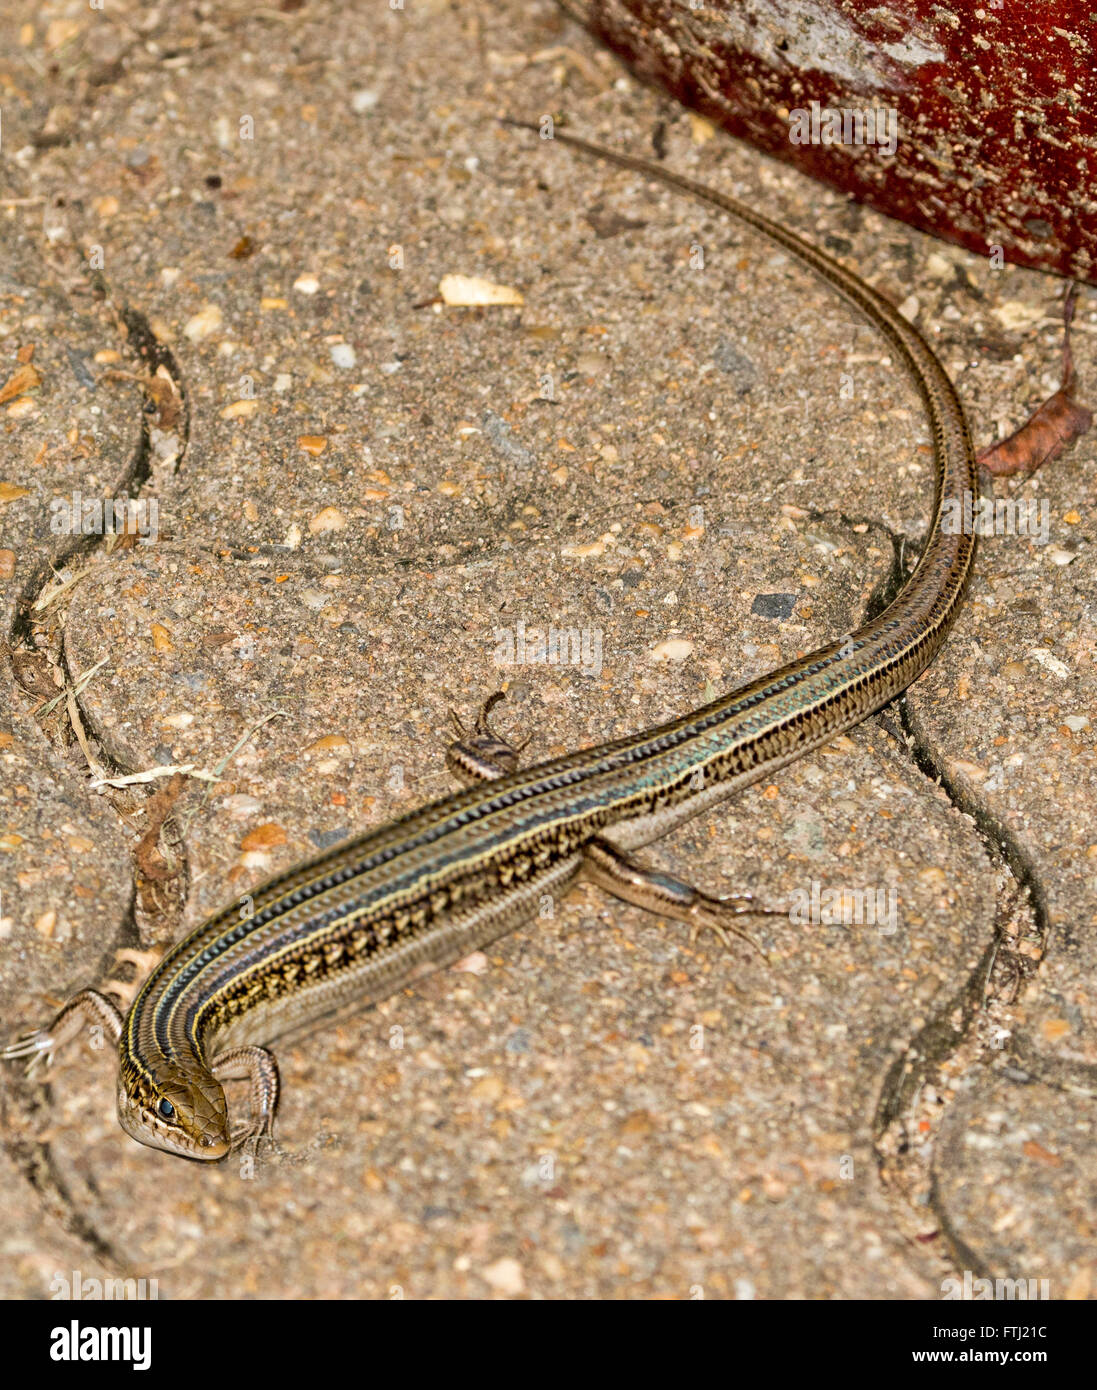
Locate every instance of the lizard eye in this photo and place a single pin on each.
(166, 1109)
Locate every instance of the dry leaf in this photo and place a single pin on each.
(1052, 427)
(264, 837)
(1031, 1149)
(24, 378)
(150, 860)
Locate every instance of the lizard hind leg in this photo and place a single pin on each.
(632, 882)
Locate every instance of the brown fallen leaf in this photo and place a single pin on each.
(24, 378)
(266, 836)
(1052, 427)
(150, 860)
(1031, 1149)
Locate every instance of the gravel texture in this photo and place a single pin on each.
(679, 446)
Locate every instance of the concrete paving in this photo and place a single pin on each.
(680, 447)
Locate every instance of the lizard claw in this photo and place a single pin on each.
(36, 1047)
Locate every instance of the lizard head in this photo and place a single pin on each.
(181, 1114)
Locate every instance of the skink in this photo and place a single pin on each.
(355, 923)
